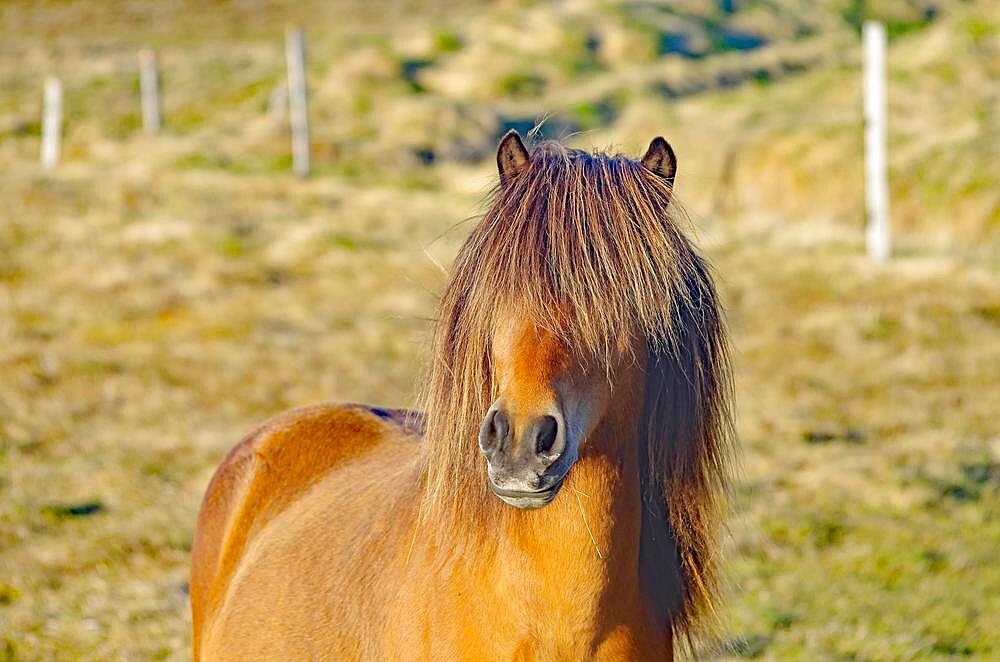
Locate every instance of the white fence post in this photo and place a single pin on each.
(876, 175)
(51, 123)
(298, 105)
(149, 90)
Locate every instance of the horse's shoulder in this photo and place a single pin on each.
(269, 468)
(294, 450)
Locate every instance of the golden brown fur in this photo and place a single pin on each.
(330, 534)
(262, 474)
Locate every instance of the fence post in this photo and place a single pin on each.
(149, 91)
(298, 105)
(876, 176)
(51, 123)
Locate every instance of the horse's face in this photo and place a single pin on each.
(550, 402)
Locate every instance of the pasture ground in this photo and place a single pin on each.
(161, 295)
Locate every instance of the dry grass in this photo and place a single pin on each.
(159, 296)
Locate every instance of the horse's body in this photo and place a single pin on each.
(349, 533)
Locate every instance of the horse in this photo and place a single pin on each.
(562, 495)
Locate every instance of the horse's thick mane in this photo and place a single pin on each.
(590, 247)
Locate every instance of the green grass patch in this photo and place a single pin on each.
(58, 512)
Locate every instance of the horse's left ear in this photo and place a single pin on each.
(659, 159)
(512, 155)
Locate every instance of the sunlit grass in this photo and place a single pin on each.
(160, 296)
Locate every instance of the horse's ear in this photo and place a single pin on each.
(512, 156)
(659, 159)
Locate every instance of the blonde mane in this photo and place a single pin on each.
(590, 247)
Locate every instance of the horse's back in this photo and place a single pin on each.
(265, 473)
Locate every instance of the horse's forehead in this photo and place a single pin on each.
(522, 344)
(529, 360)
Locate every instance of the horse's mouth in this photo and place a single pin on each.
(526, 500)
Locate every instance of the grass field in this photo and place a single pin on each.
(160, 295)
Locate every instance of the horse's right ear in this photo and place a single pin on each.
(659, 159)
(512, 156)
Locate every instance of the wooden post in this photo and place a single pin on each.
(876, 176)
(149, 90)
(51, 123)
(298, 105)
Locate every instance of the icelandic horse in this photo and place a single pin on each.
(561, 497)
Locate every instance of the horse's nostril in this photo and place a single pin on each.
(495, 429)
(545, 434)
(501, 426)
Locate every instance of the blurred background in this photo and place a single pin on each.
(161, 292)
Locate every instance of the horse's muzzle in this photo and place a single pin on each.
(526, 458)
